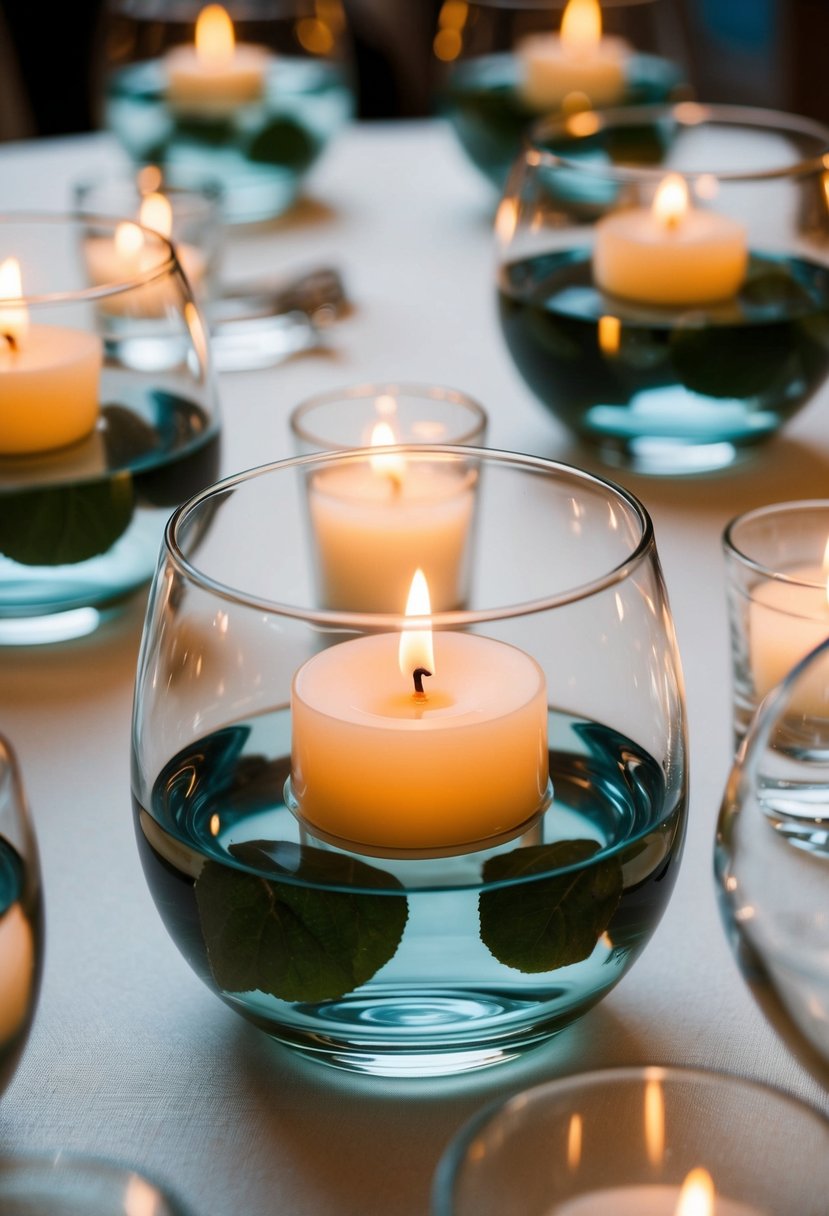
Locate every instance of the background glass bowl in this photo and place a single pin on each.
(623, 1140)
(481, 80)
(80, 523)
(21, 916)
(771, 859)
(469, 955)
(668, 388)
(259, 149)
(69, 1185)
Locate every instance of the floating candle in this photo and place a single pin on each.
(670, 254)
(215, 76)
(578, 63)
(48, 376)
(128, 254)
(380, 763)
(369, 518)
(787, 619)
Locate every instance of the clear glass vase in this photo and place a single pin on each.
(437, 879)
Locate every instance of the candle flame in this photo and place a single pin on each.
(14, 320)
(149, 179)
(215, 39)
(826, 568)
(391, 466)
(575, 1136)
(697, 1195)
(671, 201)
(654, 1121)
(129, 241)
(416, 644)
(156, 213)
(581, 26)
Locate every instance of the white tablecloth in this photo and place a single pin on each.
(130, 1056)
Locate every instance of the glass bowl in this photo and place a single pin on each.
(70, 1185)
(110, 418)
(21, 917)
(503, 66)
(671, 329)
(254, 113)
(771, 859)
(437, 880)
(625, 1141)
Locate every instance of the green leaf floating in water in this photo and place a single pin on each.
(63, 525)
(298, 942)
(552, 922)
(283, 142)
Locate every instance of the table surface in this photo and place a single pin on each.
(131, 1057)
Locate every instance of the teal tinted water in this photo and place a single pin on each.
(20, 958)
(483, 102)
(401, 966)
(671, 380)
(259, 153)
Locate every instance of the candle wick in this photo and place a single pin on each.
(417, 676)
(10, 338)
(396, 487)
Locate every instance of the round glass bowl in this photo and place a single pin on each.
(386, 414)
(772, 858)
(66, 1185)
(625, 1141)
(504, 66)
(392, 881)
(109, 417)
(21, 918)
(670, 329)
(252, 107)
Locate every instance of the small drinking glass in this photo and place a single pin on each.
(21, 917)
(777, 584)
(662, 278)
(507, 62)
(643, 1141)
(771, 859)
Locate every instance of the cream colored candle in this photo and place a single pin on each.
(49, 376)
(671, 254)
(787, 619)
(647, 1200)
(215, 76)
(373, 523)
(378, 764)
(577, 62)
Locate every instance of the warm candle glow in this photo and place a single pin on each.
(215, 39)
(156, 213)
(14, 319)
(654, 1122)
(670, 205)
(415, 648)
(697, 1195)
(391, 466)
(581, 26)
(129, 241)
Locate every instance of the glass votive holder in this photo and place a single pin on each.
(663, 284)
(505, 63)
(777, 570)
(469, 859)
(643, 1141)
(249, 96)
(109, 419)
(67, 1184)
(191, 219)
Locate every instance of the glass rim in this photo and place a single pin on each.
(736, 553)
(357, 620)
(111, 1171)
(689, 114)
(556, 5)
(451, 1162)
(169, 262)
(367, 389)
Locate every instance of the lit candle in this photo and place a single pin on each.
(369, 517)
(695, 1197)
(578, 62)
(404, 741)
(17, 972)
(127, 255)
(786, 620)
(215, 76)
(670, 254)
(48, 376)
